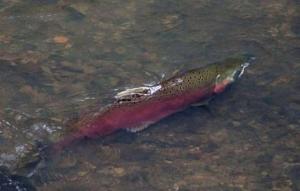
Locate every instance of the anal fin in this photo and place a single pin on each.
(139, 128)
(202, 103)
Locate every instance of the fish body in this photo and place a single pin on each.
(137, 108)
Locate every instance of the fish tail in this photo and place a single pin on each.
(43, 152)
(59, 146)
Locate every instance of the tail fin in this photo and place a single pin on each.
(59, 146)
(41, 154)
(31, 160)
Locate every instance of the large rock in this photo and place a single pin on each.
(9, 182)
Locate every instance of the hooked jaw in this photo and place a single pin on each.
(248, 60)
(238, 73)
(240, 69)
(245, 65)
(231, 72)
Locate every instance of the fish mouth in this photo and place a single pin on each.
(242, 70)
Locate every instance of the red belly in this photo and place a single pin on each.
(132, 115)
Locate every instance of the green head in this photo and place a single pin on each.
(231, 69)
(217, 76)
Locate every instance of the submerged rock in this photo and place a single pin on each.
(9, 182)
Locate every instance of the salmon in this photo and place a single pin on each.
(137, 108)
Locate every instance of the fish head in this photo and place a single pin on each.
(230, 70)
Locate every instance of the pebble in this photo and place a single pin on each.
(170, 21)
(118, 171)
(83, 173)
(61, 39)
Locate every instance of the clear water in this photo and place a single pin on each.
(59, 58)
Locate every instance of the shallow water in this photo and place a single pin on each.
(59, 58)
